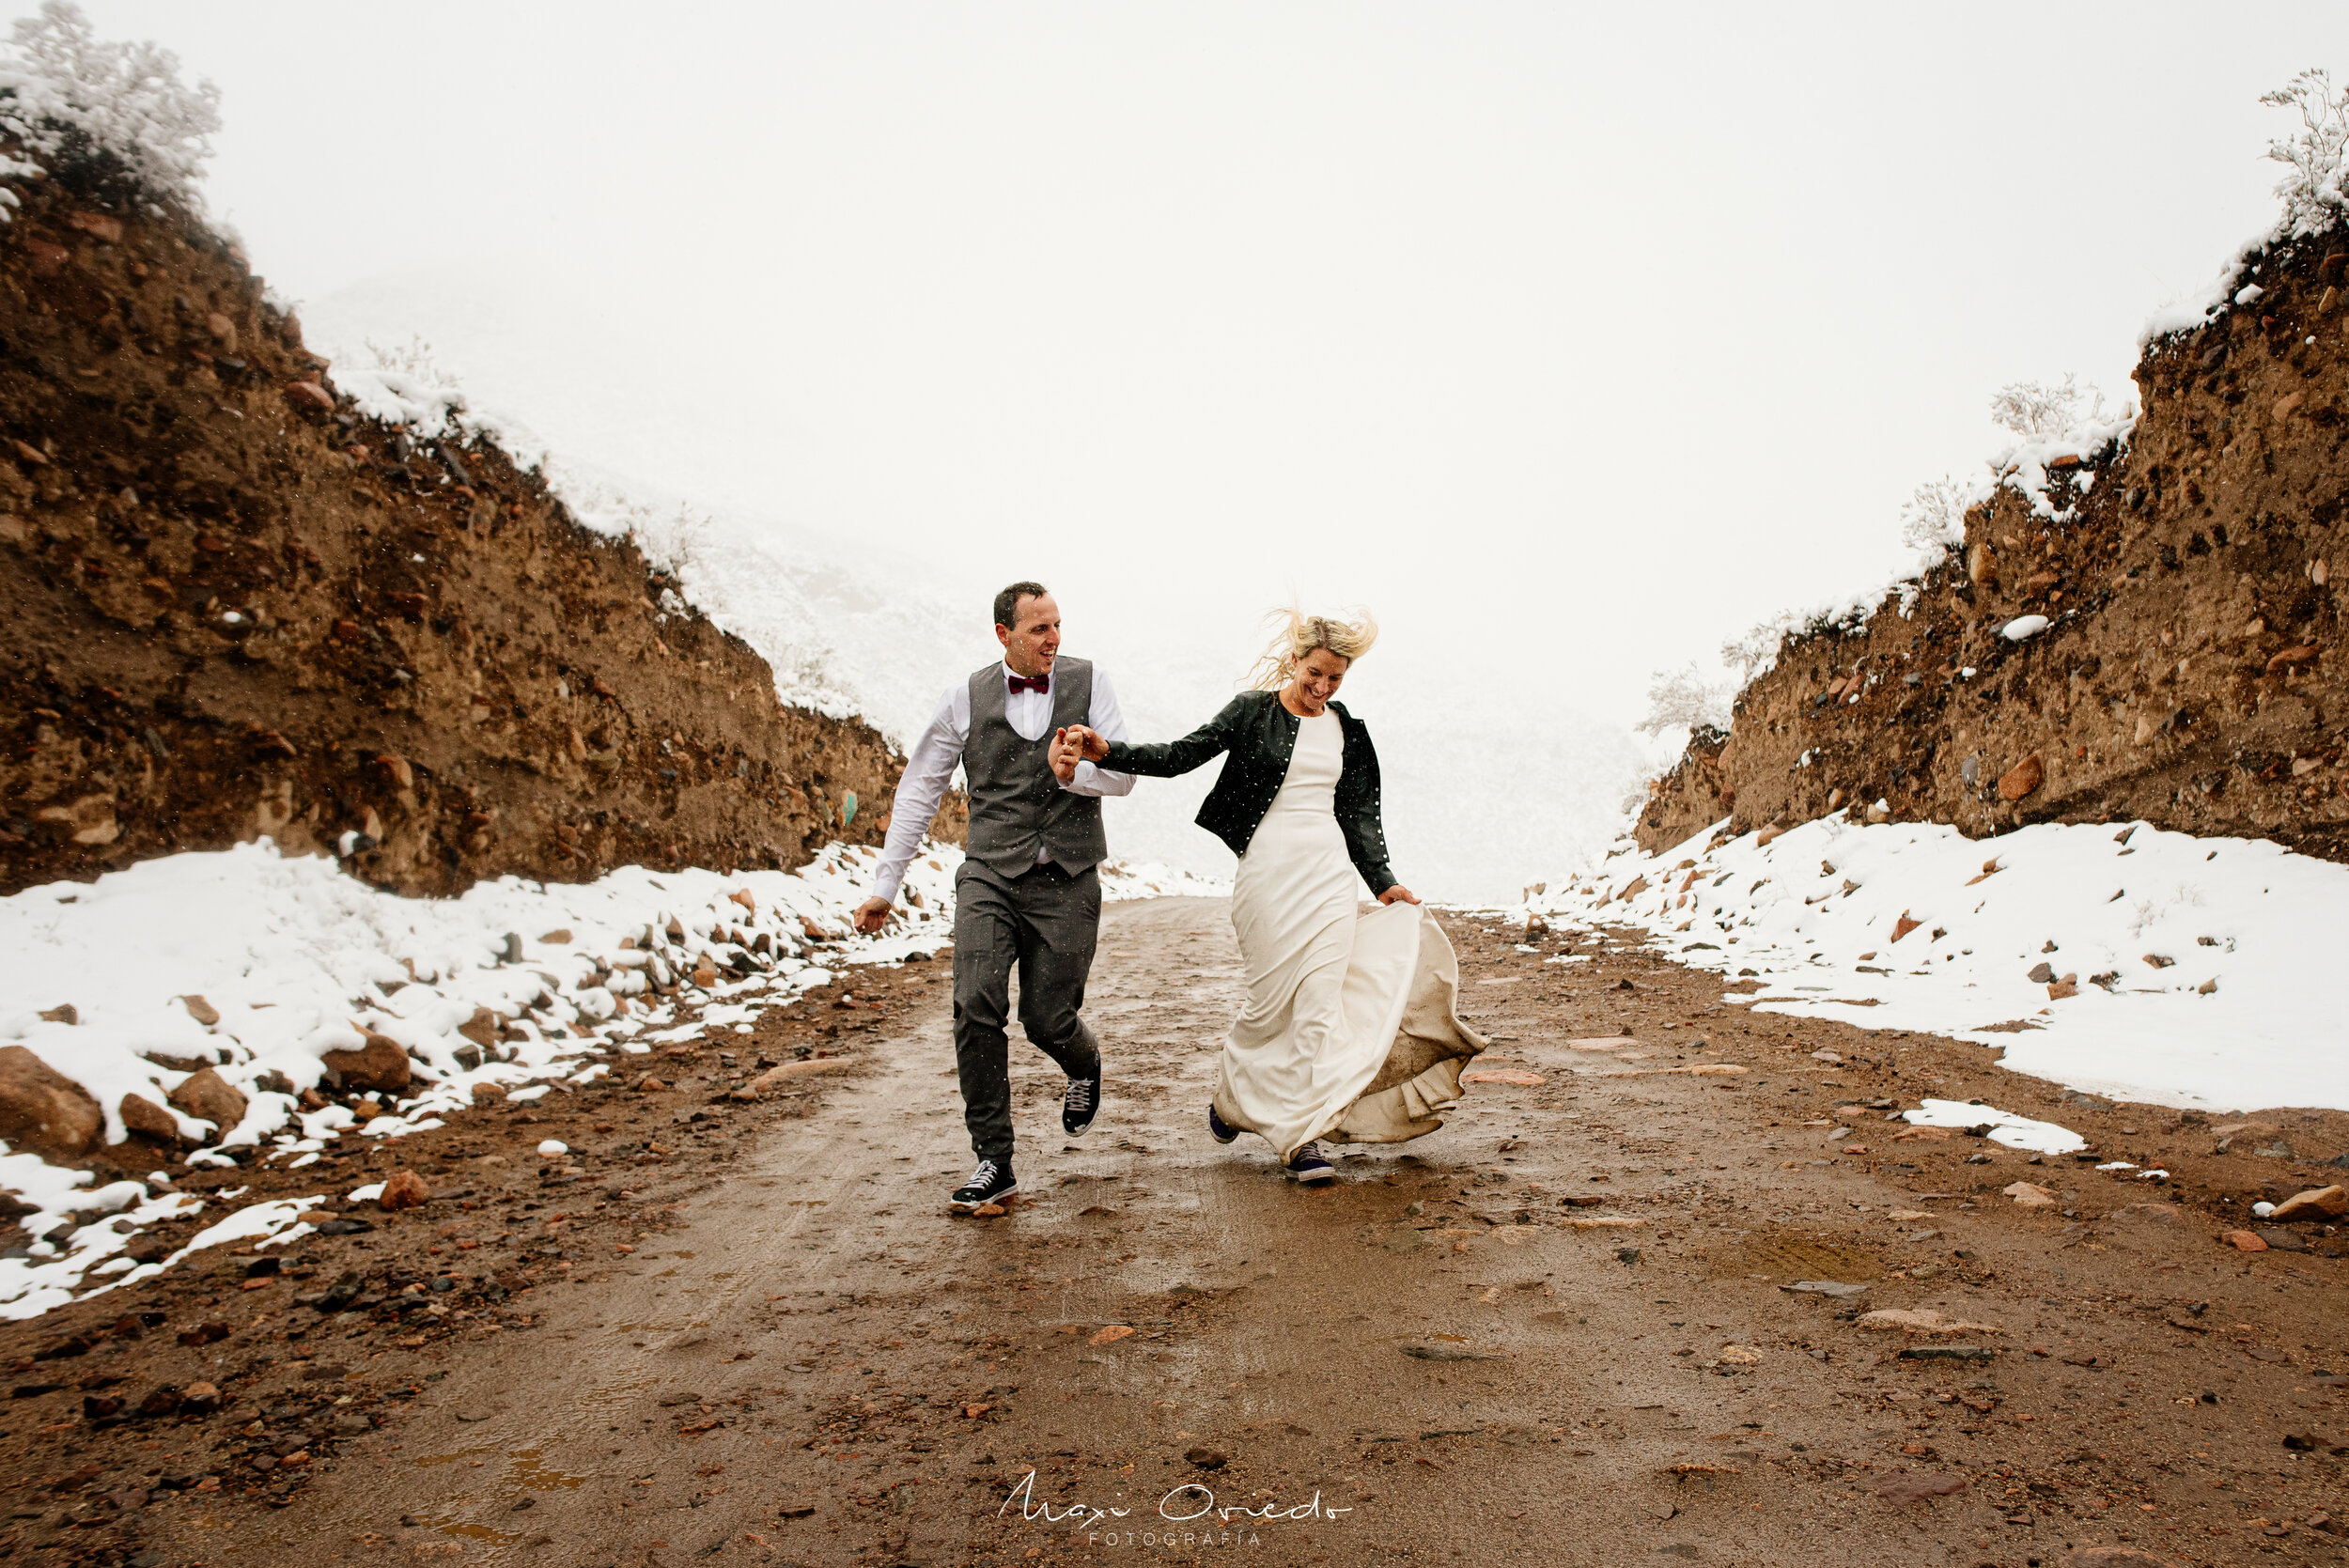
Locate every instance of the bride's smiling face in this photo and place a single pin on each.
(1316, 681)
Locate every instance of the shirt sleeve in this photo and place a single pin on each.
(1108, 722)
(927, 772)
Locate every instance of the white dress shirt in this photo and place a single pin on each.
(939, 753)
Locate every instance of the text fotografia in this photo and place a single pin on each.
(1189, 1504)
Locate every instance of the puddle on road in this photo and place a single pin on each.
(524, 1472)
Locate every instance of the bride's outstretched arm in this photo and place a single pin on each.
(1165, 759)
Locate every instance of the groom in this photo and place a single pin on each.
(1029, 890)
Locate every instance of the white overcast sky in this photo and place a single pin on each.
(1572, 339)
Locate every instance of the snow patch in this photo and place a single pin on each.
(2180, 970)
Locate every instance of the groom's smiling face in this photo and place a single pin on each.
(1031, 643)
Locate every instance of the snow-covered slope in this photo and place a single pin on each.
(262, 964)
(2181, 970)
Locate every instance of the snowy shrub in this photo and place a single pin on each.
(401, 386)
(2040, 413)
(2053, 423)
(1757, 651)
(1935, 518)
(2313, 194)
(98, 115)
(1682, 698)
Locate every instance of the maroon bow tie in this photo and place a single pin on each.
(1030, 683)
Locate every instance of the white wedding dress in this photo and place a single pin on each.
(1351, 1031)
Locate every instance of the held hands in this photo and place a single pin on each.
(1398, 894)
(1075, 744)
(871, 915)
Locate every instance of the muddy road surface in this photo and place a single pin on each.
(1558, 1332)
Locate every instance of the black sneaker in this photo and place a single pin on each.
(1306, 1165)
(1084, 1099)
(990, 1184)
(1222, 1131)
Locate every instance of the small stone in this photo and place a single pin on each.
(2023, 779)
(2317, 1203)
(649, 1085)
(2067, 986)
(209, 1097)
(2243, 1241)
(2281, 1240)
(403, 1190)
(2041, 973)
(201, 1011)
(2031, 1195)
(1904, 925)
(380, 1066)
(310, 397)
(1826, 1287)
(488, 1093)
(557, 937)
(1110, 1335)
(1206, 1458)
(199, 1399)
(1502, 1074)
(224, 330)
(142, 1118)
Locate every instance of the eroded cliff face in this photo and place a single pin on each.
(2190, 675)
(235, 608)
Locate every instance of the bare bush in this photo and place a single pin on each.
(1682, 698)
(2313, 193)
(1935, 517)
(2037, 411)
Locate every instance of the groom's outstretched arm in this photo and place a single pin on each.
(1104, 719)
(928, 772)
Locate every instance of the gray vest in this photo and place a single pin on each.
(1016, 802)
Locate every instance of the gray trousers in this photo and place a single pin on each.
(1046, 923)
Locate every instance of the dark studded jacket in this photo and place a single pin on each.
(1260, 733)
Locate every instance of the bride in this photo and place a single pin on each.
(1349, 1032)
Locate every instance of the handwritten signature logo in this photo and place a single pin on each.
(1186, 1504)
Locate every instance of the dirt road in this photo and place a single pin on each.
(1167, 1352)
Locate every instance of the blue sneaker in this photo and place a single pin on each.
(1218, 1130)
(1306, 1165)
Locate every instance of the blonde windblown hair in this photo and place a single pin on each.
(1297, 635)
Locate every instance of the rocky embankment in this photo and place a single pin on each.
(237, 607)
(2189, 673)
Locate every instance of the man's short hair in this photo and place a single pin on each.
(1007, 602)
